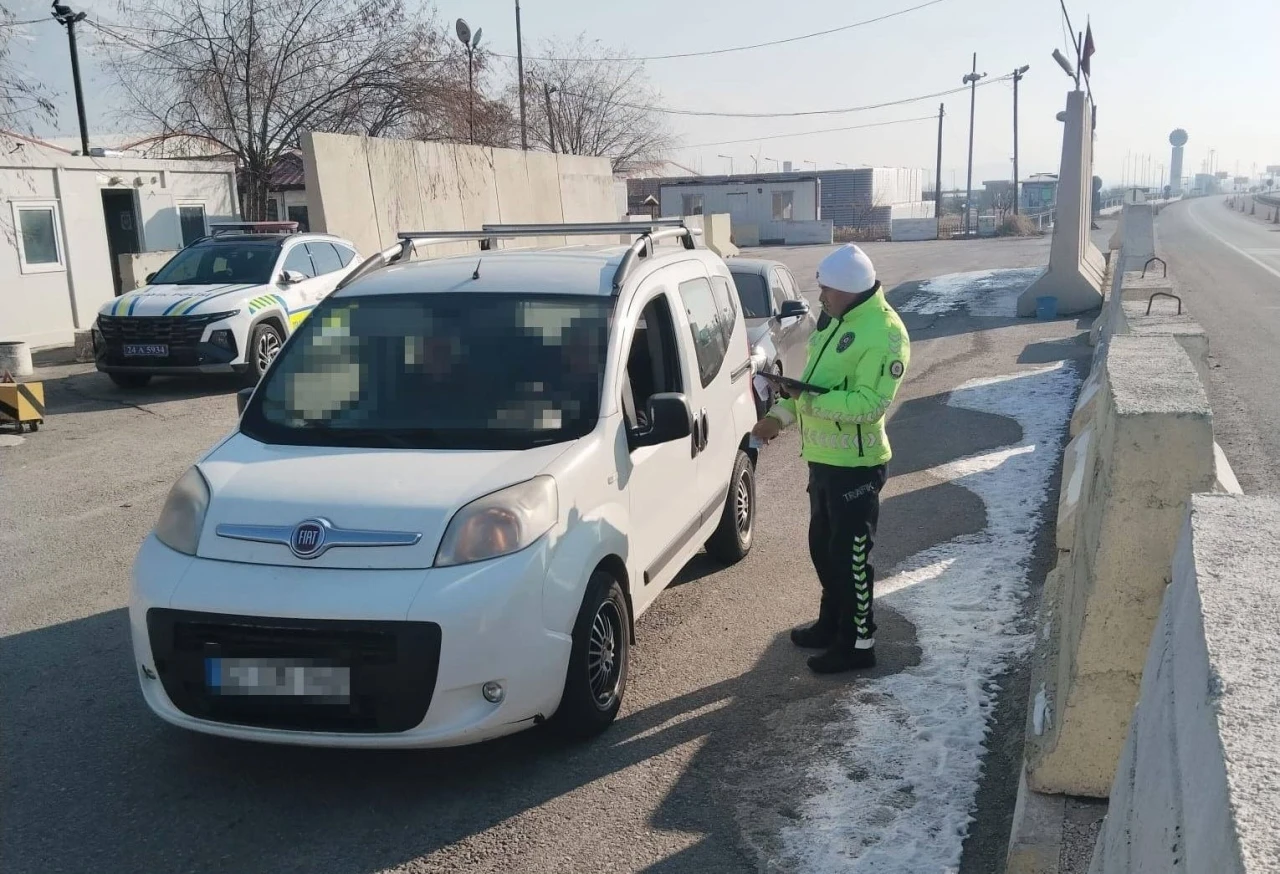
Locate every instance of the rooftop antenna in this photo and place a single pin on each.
(476, 275)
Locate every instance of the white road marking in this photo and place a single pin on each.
(1232, 246)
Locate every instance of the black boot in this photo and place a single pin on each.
(843, 656)
(820, 634)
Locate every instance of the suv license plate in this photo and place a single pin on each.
(292, 678)
(146, 350)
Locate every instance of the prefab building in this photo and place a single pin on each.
(763, 203)
(66, 221)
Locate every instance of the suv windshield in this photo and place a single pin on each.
(437, 371)
(213, 263)
(753, 291)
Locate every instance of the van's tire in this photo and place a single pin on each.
(598, 663)
(732, 538)
(264, 338)
(130, 380)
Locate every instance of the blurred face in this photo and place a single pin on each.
(833, 302)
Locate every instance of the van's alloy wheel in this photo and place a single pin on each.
(598, 662)
(732, 538)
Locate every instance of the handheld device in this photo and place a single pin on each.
(793, 386)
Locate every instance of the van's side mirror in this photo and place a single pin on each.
(794, 309)
(242, 400)
(150, 276)
(669, 419)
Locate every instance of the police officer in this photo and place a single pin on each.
(860, 352)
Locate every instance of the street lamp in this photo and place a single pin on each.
(776, 165)
(728, 158)
(64, 16)
(971, 79)
(1017, 77)
(464, 36)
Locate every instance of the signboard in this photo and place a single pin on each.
(1221, 174)
(1242, 180)
(1273, 169)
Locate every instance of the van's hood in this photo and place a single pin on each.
(184, 300)
(386, 490)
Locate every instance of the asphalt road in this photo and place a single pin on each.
(1227, 268)
(700, 773)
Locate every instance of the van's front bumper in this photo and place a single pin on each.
(420, 647)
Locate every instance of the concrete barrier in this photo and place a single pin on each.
(368, 189)
(1077, 269)
(136, 267)
(1195, 790)
(15, 358)
(1139, 239)
(1128, 475)
(913, 229)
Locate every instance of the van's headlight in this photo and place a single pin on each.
(501, 523)
(183, 513)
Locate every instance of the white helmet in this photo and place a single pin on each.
(847, 269)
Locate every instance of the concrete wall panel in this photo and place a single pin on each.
(911, 229)
(393, 182)
(339, 196)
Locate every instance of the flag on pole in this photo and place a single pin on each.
(1087, 52)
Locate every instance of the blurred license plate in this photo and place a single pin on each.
(146, 350)
(293, 678)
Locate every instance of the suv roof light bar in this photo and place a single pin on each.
(650, 232)
(217, 228)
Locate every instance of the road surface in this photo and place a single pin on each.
(717, 758)
(1227, 268)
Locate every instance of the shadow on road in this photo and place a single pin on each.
(93, 392)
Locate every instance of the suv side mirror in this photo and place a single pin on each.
(794, 309)
(669, 419)
(292, 277)
(242, 399)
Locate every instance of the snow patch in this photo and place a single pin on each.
(1041, 718)
(915, 740)
(987, 293)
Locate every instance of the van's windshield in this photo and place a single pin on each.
(437, 371)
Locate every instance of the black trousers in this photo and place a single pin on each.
(844, 509)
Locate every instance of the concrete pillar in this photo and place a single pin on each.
(1076, 267)
(1152, 447)
(1196, 786)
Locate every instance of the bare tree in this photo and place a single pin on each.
(23, 101)
(254, 75)
(600, 104)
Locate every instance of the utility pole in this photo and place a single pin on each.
(524, 131)
(937, 185)
(972, 81)
(64, 16)
(1017, 77)
(551, 119)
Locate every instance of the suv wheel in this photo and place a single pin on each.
(731, 540)
(130, 380)
(264, 346)
(598, 662)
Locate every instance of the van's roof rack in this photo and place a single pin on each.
(219, 228)
(649, 231)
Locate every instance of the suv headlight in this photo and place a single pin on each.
(499, 524)
(183, 513)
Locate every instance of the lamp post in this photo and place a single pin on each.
(64, 16)
(464, 35)
(1017, 77)
(728, 158)
(971, 79)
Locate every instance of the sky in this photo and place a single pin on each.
(1159, 65)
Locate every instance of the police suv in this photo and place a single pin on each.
(224, 304)
(452, 493)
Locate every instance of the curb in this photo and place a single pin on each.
(1035, 841)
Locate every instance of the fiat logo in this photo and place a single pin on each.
(307, 539)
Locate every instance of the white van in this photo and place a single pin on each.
(452, 493)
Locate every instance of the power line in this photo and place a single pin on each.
(810, 112)
(830, 130)
(22, 23)
(746, 48)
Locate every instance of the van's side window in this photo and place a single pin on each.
(727, 300)
(653, 364)
(705, 324)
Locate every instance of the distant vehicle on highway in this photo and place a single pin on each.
(779, 320)
(224, 304)
(452, 493)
